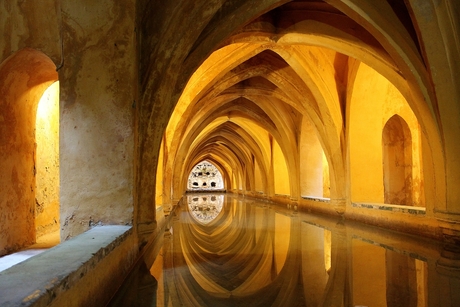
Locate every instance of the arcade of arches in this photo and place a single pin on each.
(346, 107)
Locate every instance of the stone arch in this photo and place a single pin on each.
(397, 162)
(399, 58)
(235, 153)
(24, 77)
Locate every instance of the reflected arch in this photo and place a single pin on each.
(225, 66)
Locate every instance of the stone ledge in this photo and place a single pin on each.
(391, 208)
(38, 280)
(318, 199)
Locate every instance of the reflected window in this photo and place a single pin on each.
(205, 209)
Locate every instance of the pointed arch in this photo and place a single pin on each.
(397, 161)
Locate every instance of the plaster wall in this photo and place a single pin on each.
(47, 162)
(311, 161)
(281, 174)
(17, 181)
(34, 24)
(97, 114)
(258, 183)
(239, 183)
(326, 178)
(368, 118)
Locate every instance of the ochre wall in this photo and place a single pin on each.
(258, 184)
(23, 79)
(311, 161)
(373, 102)
(159, 193)
(281, 171)
(98, 100)
(47, 162)
(33, 24)
(326, 179)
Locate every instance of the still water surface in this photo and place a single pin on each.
(223, 250)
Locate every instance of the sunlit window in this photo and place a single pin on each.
(205, 176)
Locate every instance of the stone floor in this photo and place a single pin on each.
(43, 243)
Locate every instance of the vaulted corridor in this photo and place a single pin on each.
(111, 113)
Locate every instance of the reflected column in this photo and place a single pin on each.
(314, 270)
(171, 245)
(444, 278)
(401, 280)
(336, 293)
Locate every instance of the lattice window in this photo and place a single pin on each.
(205, 176)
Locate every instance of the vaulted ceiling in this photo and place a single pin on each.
(293, 62)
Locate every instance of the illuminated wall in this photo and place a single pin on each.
(24, 77)
(47, 162)
(312, 177)
(374, 104)
(280, 171)
(160, 177)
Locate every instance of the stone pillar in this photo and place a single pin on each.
(98, 92)
(339, 204)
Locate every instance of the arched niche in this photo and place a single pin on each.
(24, 79)
(397, 162)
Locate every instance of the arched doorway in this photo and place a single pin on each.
(24, 78)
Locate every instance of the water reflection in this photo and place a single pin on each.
(205, 207)
(250, 253)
